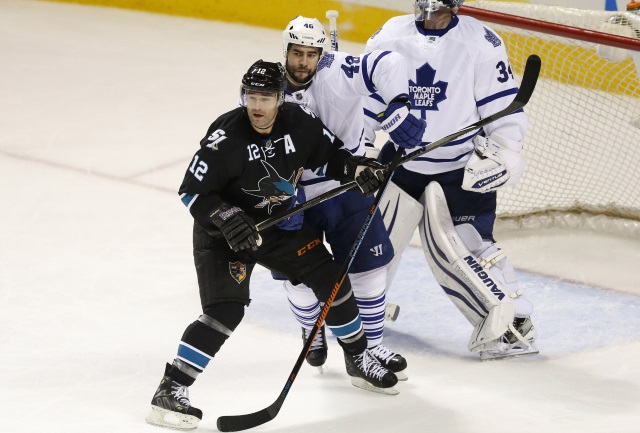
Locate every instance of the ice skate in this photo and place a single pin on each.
(395, 362)
(517, 342)
(367, 373)
(317, 354)
(170, 406)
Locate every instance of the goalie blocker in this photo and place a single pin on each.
(479, 280)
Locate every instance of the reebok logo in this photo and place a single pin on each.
(484, 276)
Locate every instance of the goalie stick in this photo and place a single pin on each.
(527, 85)
(247, 421)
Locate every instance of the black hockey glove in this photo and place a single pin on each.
(237, 227)
(367, 172)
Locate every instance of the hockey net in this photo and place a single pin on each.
(583, 143)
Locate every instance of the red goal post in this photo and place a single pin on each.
(583, 143)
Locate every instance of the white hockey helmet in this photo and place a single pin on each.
(304, 31)
(427, 7)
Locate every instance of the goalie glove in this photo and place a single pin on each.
(492, 166)
(404, 128)
(237, 227)
(367, 172)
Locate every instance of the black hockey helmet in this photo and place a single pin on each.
(265, 77)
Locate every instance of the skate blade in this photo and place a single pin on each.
(169, 419)
(322, 369)
(487, 356)
(363, 384)
(402, 376)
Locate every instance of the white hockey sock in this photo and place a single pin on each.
(369, 291)
(303, 304)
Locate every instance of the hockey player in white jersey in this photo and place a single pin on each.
(334, 85)
(460, 73)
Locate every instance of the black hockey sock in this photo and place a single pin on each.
(203, 338)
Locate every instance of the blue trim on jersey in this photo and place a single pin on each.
(192, 356)
(370, 114)
(365, 75)
(495, 96)
(375, 63)
(378, 98)
(347, 329)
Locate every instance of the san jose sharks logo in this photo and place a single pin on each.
(273, 189)
(425, 94)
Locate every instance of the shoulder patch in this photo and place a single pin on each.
(326, 61)
(215, 139)
(492, 37)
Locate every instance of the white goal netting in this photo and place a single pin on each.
(583, 143)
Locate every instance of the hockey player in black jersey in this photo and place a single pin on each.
(247, 168)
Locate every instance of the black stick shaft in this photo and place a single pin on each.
(247, 421)
(527, 85)
(244, 422)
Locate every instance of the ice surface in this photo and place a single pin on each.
(100, 112)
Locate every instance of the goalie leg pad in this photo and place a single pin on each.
(401, 214)
(479, 296)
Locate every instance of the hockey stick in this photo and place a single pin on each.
(333, 29)
(527, 85)
(247, 421)
(306, 205)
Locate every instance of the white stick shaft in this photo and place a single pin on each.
(333, 28)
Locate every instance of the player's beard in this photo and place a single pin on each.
(299, 76)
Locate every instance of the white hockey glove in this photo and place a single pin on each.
(492, 166)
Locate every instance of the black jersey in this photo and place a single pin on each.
(258, 173)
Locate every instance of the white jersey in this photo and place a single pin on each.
(337, 93)
(458, 76)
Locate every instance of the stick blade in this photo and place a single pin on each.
(244, 422)
(529, 79)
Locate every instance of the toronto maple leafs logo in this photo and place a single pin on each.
(425, 94)
(492, 37)
(274, 189)
(326, 61)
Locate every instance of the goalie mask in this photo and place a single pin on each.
(265, 78)
(424, 8)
